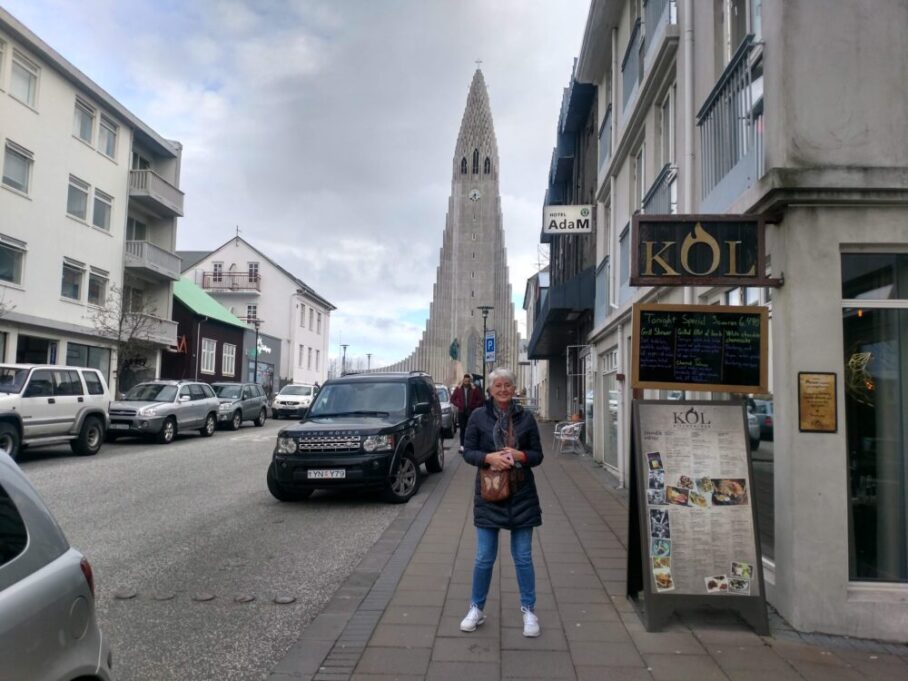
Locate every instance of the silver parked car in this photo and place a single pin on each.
(241, 402)
(448, 419)
(161, 409)
(48, 624)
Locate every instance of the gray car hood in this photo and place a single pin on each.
(128, 404)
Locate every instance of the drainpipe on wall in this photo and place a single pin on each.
(687, 51)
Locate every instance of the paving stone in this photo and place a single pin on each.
(551, 637)
(326, 627)
(387, 677)
(749, 657)
(462, 649)
(814, 671)
(613, 674)
(877, 667)
(394, 661)
(417, 597)
(610, 654)
(587, 596)
(403, 636)
(585, 612)
(463, 671)
(757, 675)
(304, 657)
(604, 632)
(799, 651)
(536, 664)
(718, 638)
(684, 668)
(679, 643)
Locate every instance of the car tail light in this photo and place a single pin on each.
(768, 421)
(89, 575)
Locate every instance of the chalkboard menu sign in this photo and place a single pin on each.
(693, 532)
(700, 347)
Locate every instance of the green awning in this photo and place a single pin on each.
(202, 304)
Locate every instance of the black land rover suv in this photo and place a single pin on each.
(365, 430)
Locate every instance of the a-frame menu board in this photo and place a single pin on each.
(693, 540)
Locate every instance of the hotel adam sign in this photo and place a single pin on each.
(567, 219)
(701, 250)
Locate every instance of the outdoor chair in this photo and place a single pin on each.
(568, 439)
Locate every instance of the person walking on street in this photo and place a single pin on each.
(466, 398)
(503, 436)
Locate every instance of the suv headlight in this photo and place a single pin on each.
(147, 411)
(286, 445)
(378, 443)
(225, 406)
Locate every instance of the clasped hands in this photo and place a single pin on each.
(504, 460)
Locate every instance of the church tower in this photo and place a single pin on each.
(472, 271)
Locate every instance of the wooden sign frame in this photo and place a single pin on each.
(759, 388)
(657, 608)
(808, 423)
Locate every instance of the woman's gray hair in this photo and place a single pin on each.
(502, 372)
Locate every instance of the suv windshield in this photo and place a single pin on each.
(443, 394)
(305, 390)
(151, 392)
(347, 398)
(231, 392)
(12, 380)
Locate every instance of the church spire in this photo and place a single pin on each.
(477, 133)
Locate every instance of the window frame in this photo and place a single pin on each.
(318, 323)
(74, 267)
(81, 186)
(228, 359)
(23, 62)
(87, 109)
(106, 123)
(17, 247)
(252, 312)
(104, 199)
(97, 275)
(29, 158)
(208, 356)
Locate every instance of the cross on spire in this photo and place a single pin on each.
(478, 63)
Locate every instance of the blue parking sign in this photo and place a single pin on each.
(490, 346)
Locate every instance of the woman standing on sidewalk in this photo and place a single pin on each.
(503, 436)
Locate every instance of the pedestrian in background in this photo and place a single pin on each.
(466, 398)
(503, 436)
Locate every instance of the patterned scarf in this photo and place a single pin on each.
(503, 431)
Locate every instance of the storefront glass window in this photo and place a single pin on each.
(78, 355)
(876, 413)
(611, 420)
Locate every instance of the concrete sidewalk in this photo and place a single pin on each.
(397, 616)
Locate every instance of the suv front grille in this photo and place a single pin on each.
(122, 412)
(330, 442)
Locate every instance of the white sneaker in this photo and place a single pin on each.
(461, 449)
(530, 623)
(473, 619)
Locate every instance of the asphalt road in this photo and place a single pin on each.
(177, 524)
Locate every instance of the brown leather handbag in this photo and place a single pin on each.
(494, 485)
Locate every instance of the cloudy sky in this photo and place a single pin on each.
(325, 129)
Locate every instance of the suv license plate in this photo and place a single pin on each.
(320, 475)
(118, 426)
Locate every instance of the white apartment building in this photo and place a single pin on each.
(791, 109)
(89, 202)
(260, 292)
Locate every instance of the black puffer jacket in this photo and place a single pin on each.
(522, 508)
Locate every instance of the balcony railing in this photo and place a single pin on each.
(731, 126)
(632, 65)
(662, 197)
(252, 321)
(147, 256)
(156, 193)
(240, 282)
(154, 329)
(605, 139)
(657, 14)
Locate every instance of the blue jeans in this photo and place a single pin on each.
(487, 551)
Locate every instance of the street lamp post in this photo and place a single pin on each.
(485, 313)
(344, 358)
(368, 361)
(255, 371)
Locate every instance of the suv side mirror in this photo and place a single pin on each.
(422, 408)
(185, 398)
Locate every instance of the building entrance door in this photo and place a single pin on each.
(36, 350)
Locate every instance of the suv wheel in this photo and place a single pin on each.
(236, 421)
(260, 419)
(281, 493)
(211, 423)
(168, 431)
(436, 461)
(9, 440)
(405, 481)
(90, 437)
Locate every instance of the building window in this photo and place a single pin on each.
(209, 348)
(72, 280)
(252, 313)
(667, 128)
(752, 295)
(253, 271)
(624, 256)
(78, 355)
(476, 161)
(463, 166)
(100, 215)
(84, 123)
(309, 363)
(875, 377)
(133, 299)
(217, 272)
(318, 354)
(23, 83)
(107, 137)
(487, 166)
(12, 253)
(638, 189)
(77, 198)
(228, 361)
(136, 230)
(299, 359)
(97, 287)
(318, 324)
(311, 319)
(17, 167)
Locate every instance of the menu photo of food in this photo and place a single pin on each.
(705, 485)
(655, 461)
(660, 547)
(677, 496)
(659, 524)
(717, 584)
(739, 586)
(684, 482)
(663, 579)
(698, 500)
(661, 562)
(742, 570)
(729, 492)
(656, 479)
(656, 497)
